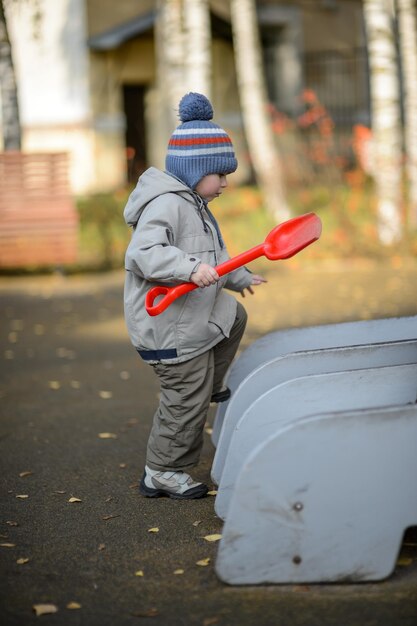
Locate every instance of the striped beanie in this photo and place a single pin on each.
(198, 147)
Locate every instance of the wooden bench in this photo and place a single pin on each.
(288, 402)
(38, 217)
(281, 342)
(325, 499)
(297, 364)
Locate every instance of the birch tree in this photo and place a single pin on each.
(253, 101)
(386, 116)
(198, 46)
(183, 53)
(8, 88)
(408, 46)
(170, 62)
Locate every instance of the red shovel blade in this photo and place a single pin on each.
(283, 242)
(286, 239)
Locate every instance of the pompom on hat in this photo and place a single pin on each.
(198, 147)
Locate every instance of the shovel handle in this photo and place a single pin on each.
(172, 293)
(169, 295)
(283, 241)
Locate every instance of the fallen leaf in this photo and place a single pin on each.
(107, 436)
(22, 496)
(212, 537)
(105, 394)
(211, 620)
(7, 545)
(139, 572)
(73, 605)
(124, 375)
(75, 384)
(59, 492)
(107, 517)
(212, 493)
(122, 465)
(203, 562)
(209, 431)
(404, 561)
(74, 500)
(149, 613)
(178, 572)
(54, 384)
(197, 522)
(153, 530)
(24, 474)
(102, 546)
(22, 561)
(44, 609)
(9, 523)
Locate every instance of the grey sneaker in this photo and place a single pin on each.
(178, 485)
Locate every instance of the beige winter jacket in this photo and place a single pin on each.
(172, 234)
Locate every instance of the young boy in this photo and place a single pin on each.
(191, 344)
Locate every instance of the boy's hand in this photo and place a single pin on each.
(256, 280)
(204, 276)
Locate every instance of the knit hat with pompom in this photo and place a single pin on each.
(198, 147)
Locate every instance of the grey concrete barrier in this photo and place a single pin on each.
(297, 364)
(282, 342)
(326, 498)
(308, 395)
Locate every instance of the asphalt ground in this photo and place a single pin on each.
(76, 404)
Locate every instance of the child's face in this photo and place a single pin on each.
(211, 186)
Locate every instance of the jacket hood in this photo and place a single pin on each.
(151, 184)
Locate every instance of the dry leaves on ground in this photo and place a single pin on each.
(44, 609)
(215, 537)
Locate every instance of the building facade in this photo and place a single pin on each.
(88, 86)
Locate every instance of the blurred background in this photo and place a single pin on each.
(319, 97)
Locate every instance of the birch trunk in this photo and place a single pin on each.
(198, 46)
(386, 116)
(253, 100)
(170, 61)
(408, 46)
(183, 59)
(8, 89)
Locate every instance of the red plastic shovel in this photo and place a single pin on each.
(283, 242)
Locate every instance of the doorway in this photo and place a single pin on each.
(135, 132)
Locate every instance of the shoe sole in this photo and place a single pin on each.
(191, 494)
(222, 396)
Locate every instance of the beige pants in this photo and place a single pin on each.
(176, 437)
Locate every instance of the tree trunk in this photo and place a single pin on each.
(408, 47)
(8, 89)
(171, 61)
(198, 46)
(253, 101)
(183, 52)
(386, 116)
